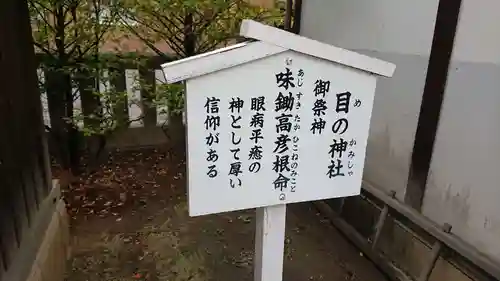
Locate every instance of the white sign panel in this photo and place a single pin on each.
(284, 129)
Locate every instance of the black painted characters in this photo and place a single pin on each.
(321, 89)
(212, 123)
(235, 168)
(257, 106)
(287, 104)
(339, 148)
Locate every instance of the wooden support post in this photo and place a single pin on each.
(379, 226)
(269, 243)
(360, 241)
(436, 252)
(432, 99)
(341, 206)
(450, 241)
(381, 222)
(427, 270)
(297, 16)
(288, 15)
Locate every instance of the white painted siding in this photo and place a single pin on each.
(464, 183)
(464, 180)
(396, 31)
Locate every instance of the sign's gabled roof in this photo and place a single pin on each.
(272, 41)
(219, 59)
(290, 41)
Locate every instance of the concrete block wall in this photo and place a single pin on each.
(52, 256)
(45, 246)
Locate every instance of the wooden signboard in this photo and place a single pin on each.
(271, 122)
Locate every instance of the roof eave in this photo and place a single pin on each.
(214, 61)
(288, 40)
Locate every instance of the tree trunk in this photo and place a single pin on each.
(65, 137)
(58, 85)
(176, 128)
(147, 81)
(176, 134)
(189, 35)
(91, 107)
(91, 111)
(119, 85)
(73, 133)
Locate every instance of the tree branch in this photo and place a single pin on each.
(149, 44)
(42, 16)
(176, 46)
(41, 5)
(214, 17)
(41, 47)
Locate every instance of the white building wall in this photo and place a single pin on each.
(464, 181)
(393, 30)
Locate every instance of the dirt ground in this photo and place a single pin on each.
(130, 222)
